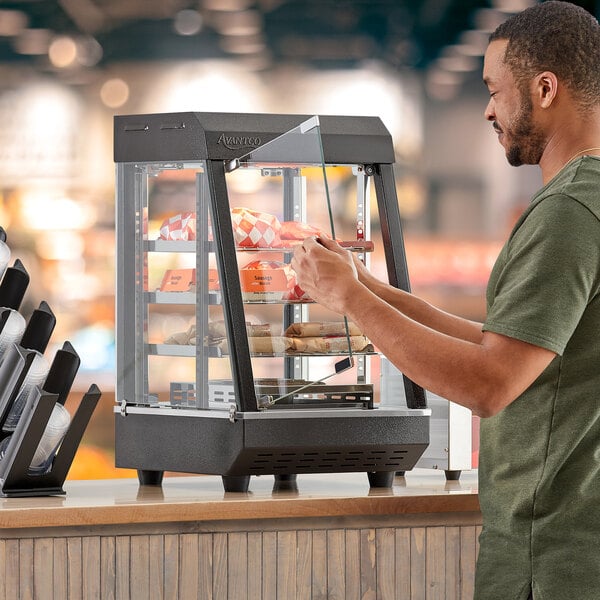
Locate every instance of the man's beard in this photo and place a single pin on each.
(528, 142)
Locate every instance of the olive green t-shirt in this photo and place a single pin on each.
(539, 471)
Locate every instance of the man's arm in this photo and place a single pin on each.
(421, 311)
(451, 357)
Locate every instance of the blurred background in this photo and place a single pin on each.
(68, 66)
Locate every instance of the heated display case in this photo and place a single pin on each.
(224, 365)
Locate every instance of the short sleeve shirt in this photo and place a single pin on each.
(539, 470)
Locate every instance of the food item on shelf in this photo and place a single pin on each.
(261, 345)
(270, 280)
(183, 338)
(217, 330)
(181, 227)
(184, 280)
(264, 280)
(213, 280)
(321, 329)
(254, 229)
(295, 231)
(178, 280)
(333, 344)
(327, 336)
(266, 338)
(217, 335)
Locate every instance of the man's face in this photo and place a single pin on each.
(511, 110)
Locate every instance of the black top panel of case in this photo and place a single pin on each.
(190, 136)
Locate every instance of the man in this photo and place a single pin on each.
(533, 368)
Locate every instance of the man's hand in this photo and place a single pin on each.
(326, 272)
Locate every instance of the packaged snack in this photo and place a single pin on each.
(180, 227)
(270, 280)
(253, 229)
(331, 344)
(265, 280)
(178, 280)
(296, 231)
(321, 329)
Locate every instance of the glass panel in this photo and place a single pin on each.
(279, 194)
(180, 292)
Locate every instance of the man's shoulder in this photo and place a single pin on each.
(577, 186)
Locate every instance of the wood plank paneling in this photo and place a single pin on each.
(402, 563)
(139, 567)
(237, 565)
(188, 565)
(352, 565)
(90, 566)
(26, 570)
(156, 575)
(336, 561)
(74, 569)
(385, 547)
(11, 569)
(368, 564)
(205, 565)
(220, 566)
(434, 562)
(303, 564)
(254, 565)
(171, 566)
(418, 576)
(122, 560)
(108, 576)
(286, 565)
(452, 555)
(43, 568)
(319, 565)
(269, 564)
(2, 570)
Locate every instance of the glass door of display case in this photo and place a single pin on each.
(291, 354)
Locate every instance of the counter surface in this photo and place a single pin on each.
(201, 498)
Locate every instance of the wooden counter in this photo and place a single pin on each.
(333, 537)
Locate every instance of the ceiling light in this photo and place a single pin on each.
(62, 52)
(114, 93)
(187, 22)
(89, 52)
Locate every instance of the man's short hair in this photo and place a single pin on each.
(559, 37)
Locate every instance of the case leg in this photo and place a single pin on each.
(236, 483)
(452, 475)
(400, 473)
(150, 477)
(381, 479)
(285, 481)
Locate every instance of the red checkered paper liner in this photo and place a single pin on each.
(253, 229)
(180, 227)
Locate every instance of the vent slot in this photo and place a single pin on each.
(327, 460)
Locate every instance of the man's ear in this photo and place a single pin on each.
(545, 88)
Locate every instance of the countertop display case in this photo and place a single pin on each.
(224, 365)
